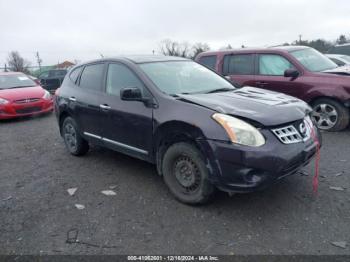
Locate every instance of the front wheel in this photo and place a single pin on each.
(186, 174)
(330, 115)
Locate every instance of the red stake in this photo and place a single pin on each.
(317, 159)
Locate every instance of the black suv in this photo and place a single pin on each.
(200, 131)
(52, 79)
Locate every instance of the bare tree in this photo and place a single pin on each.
(17, 63)
(226, 47)
(342, 40)
(198, 48)
(173, 48)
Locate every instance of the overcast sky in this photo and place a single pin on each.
(68, 30)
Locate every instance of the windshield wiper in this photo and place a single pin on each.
(225, 89)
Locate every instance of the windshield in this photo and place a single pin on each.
(313, 60)
(184, 77)
(15, 81)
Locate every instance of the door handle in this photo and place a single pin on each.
(105, 107)
(73, 99)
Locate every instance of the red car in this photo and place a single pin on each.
(21, 96)
(299, 71)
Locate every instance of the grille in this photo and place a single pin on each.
(298, 132)
(28, 110)
(288, 134)
(28, 100)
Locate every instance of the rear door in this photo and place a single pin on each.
(239, 68)
(86, 99)
(126, 125)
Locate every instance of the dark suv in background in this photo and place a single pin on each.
(200, 131)
(52, 79)
(299, 71)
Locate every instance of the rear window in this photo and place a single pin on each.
(92, 76)
(239, 64)
(15, 81)
(208, 61)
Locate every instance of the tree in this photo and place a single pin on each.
(173, 48)
(319, 44)
(342, 40)
(199, 48)
(17, 63)
(226, 47)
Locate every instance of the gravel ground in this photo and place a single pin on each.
(38, 216)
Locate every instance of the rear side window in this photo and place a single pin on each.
(239, 64)
(92, 76)
(208, 61)
(274, 65)
(75, 74)
(119, 76)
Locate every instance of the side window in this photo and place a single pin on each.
(44, 75)
(274, 65)
(92, 76)
(208, 61)
(239, 64)
(75, 74)
(119, 76)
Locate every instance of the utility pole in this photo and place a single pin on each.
(153, 52)
(39, 60)
(5, 70)
(300, 39)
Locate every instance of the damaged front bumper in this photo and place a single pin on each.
(242, 169)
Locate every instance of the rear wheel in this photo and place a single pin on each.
(330, 115)
(186, 174)
(75, 144)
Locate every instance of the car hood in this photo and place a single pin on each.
(266, 107)
(342, 70)
(22, 93)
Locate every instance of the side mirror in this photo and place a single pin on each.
(293, 73)
(131, 94)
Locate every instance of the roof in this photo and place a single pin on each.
(65, 64)
(288, 48)
(347, 44)
(138, 59)
(152, 58)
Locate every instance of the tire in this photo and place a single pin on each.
(330, 115)
(75, 144)
(186, 175)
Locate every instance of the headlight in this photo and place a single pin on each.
(3, 101)
(47, 95)
(240, 132)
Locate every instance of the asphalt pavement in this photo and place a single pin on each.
(39, 216)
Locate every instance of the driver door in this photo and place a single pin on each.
(126, 125)
(270, 75)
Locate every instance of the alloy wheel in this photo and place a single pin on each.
(70, 136)
(325, 116)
